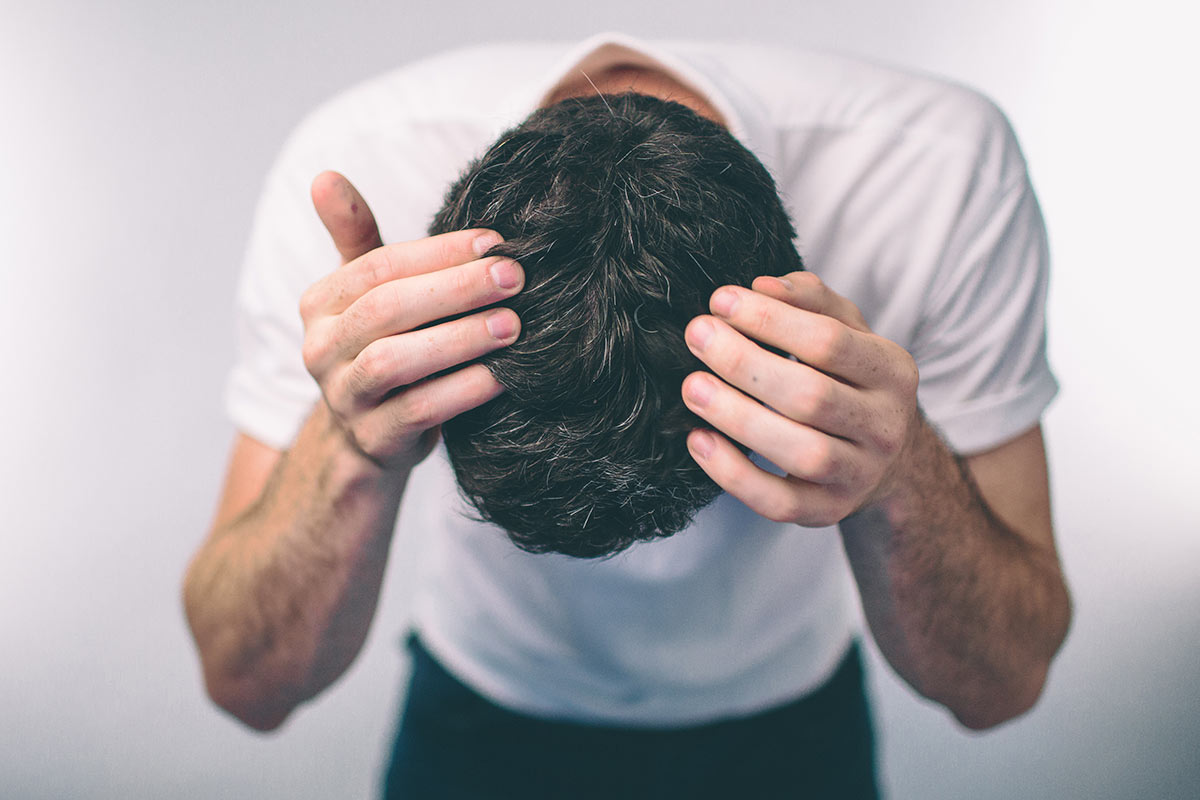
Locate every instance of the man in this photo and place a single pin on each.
(732, 638)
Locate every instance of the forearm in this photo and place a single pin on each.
(967, 609)
(281, 597)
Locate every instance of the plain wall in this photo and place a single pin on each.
(134, 137)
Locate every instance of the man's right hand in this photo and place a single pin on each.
(281, 595)
(386, 373)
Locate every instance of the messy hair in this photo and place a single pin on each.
(626, 213)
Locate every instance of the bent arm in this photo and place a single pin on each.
(955, 561)
(281, 595)
(960, 579)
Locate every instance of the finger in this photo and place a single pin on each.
(798, 449)
(335, 292)
(394, 361)
(391, 426)
(776, 497)
(805, 290)
(816, 339)
(795, 390)
(408, 303)
(345, 215)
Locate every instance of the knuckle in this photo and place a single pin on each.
(774, 511)
(807, 283)
(889, 440)
(378, 265)
(374, 360)
(828, 339)
(760, 317)
(371, 304)
(735, 359)
(440, 248)
(373, 367)
(805, 278)
(813, 399)
(381, 303)
(394, 299)
(908, 373)
(340, 406)
(314, 352)
(416, 410)
(468, 282)
(815, 462)
(785, 508)
(468, 337)
(448, 248)
(311, 302)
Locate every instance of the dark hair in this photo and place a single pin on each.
(626, 212)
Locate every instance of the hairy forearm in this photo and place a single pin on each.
(281, 597)
(967, 609)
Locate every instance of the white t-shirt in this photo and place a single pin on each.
(910, 196)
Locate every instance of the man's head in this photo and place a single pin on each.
(626, 212)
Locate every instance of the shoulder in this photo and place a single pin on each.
(805, 94)
(403, 136)
(890, 175)
(466, 86)
(813, 87)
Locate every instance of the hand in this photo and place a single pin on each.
(837, 420)
(388, 381)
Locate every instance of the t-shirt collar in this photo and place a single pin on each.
(744, 116)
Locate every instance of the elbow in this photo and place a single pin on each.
(243, 701)
(257, 696)
(1002, 699)
(246, 692)
(1005, 700)
(1000, 704)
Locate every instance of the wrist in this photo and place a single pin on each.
(347, 465)
(923, 463)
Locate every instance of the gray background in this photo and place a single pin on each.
(134, 136)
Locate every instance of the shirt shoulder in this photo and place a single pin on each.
(471, 85)
(802, 90)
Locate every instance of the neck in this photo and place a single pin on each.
(642, 80)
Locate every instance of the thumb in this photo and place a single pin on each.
(345, 215)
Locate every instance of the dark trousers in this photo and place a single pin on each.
(452, 743)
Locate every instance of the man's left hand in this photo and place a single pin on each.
(837, 419)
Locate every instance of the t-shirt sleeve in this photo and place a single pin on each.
(981, 345)
(269, 393)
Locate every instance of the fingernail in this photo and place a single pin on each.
(724, 302)
(506, 273)
(699, 333)
(501, 324)
(485, 242)
(702, 443)
(786, 283)
(700, 391)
